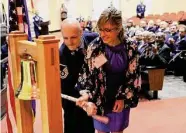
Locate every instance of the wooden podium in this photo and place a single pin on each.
(45, 51)
(156, 78)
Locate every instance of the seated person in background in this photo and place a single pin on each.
(143, 25)
(157, 25)
(181, 42)
(156, 53)
(162, 49)
(163, 27)
(144, 42)
(151, 27)
(130, 29)
(178, 61)
(138, 37)
(172, 38)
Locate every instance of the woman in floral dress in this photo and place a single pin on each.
(111, 75)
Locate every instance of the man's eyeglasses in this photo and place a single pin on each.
(107, 30)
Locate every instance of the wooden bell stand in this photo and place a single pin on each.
(45, 51)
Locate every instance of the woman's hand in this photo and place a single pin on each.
(82, 100)
(90, 108)
(118, 106)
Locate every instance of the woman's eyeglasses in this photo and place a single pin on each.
(107, 30)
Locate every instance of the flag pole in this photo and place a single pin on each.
(27, 19)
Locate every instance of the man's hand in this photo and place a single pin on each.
(118, 106)
(155, 49)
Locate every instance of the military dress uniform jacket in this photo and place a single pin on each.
(70, 65)
(141, 10)
(71, 62)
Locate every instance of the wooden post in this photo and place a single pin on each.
(46, 53)
(23, 108)
(49, 84)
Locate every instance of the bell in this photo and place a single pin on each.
(35, 90)
(28, 86)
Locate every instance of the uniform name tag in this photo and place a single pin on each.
(99, 60)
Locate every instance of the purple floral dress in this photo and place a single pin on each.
(119, 78)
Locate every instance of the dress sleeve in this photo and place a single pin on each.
(85, 82)
(132, 84)
(86, 79)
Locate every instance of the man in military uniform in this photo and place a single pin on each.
(37, 27)
(63, 12)
(140, 10)
(71, 60)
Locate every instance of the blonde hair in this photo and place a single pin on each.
(114, 17)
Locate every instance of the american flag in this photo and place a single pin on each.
(18, 20)
(11, 114)
(18, 17)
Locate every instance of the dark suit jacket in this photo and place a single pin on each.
(181, 43)
(151, 29)
(175, 36)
